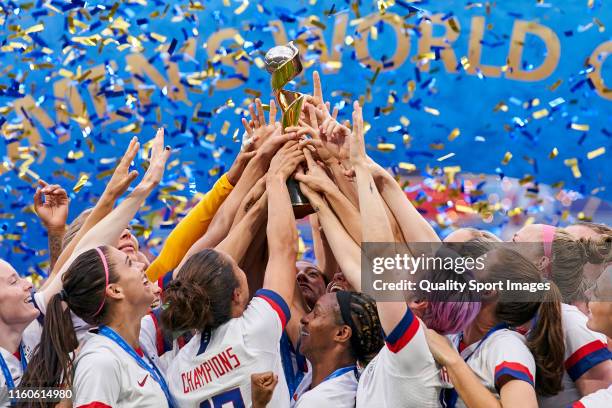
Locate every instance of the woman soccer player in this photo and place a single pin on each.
(235, 338)
(105, 288)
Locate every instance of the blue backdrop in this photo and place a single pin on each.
(516, 88)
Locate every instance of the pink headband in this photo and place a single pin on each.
(548, 235)
(103, 258)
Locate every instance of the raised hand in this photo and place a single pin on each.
(315, 198)
(157, 163)
(123, 177)
(274, 142)
(328, 149)
(357, 148)
(234, 173)
(53, 211)
(257, 129)
(316, 179)
(286, 160)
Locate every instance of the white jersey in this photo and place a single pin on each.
(501, 357)
(29, 340)
(81, 328)
(584, 349)
(154, 341)
(598, 399)
(107, 376)
(215, 368)
(404, 373)
(337, 391)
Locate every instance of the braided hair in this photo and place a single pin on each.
(359, 312)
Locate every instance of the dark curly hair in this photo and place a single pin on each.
(201, 295)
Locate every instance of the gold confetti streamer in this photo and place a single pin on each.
(579, 127)
(573, 165)
(454, 134)
(501, 106)
(554, 86)
(82, 181)
(595, 153)
(225, 128)
(507, 158)
(407, 166)
(386, 147)
(553, 153)
(540, 114)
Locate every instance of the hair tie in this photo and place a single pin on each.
(105, 264)
(63, 295)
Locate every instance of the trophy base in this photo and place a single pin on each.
(302, 210)
(301, 206)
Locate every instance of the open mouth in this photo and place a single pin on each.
(28, 299)
(334, 288)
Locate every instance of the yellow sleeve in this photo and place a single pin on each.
(189, 230)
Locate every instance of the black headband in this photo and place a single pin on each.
(344, 301)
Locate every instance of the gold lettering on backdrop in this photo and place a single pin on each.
(97, 75)
(402, 38)
(241, 67)
(517, 42)
(279, 35)
(427, 41)
(32, 113)
(330, 58)
(67, 99)
(138, 65)
(475, 50)
(597, 59)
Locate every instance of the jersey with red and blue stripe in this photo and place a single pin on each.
(584, 349)
(214, 369)
(503, 357)
(403, 373)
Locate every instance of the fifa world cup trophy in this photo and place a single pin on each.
(283, 63)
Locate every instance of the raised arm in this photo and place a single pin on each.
(197, 221)
(281, 229)
(249, 200)
(345, 250)
(374, 220)
(241, 236)
(413, 225)
(223, 220)
(121, 179)
(323, 252)
(109, 229)
(53, 212)
(333, 137)
(317, 180)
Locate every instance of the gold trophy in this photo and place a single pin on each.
(283, 62)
